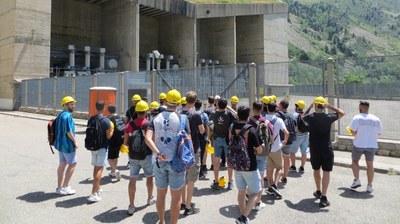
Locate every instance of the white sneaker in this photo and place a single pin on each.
(356, 184)
(118, 175)
(111, 174)
(151, 201)
(94, 198)
(370, 189)
(99, 192)
(259, 206)
(65, 191)
(131, 210)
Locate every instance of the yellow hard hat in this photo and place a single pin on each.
(173, 96)
(183, 100)
(136, 97)
(265, 99)
(209, 148)
(154, 105)
(141, 106)
(234, 99)
(273, 98)
(301, 104)
(320, 100)
(124, 149)
(162, 96)
(222, 181)
(67, 99)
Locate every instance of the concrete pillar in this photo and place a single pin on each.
(252, 83)
(149, 61)
(102, 58)
(168, 61)
(71, 49)
(153, 85)
(87, 57)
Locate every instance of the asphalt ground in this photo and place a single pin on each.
(29, 181)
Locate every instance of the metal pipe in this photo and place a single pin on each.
(102, 58)
(71, 49)
(87, 57)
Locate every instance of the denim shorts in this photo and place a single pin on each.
(248, 179)
(165, 176)
(219, 145)
(146, 164)
(302, 142)
(69, 158)
(99, 157)
(261, 163)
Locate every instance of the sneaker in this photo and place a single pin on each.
(191, 211)
(59, 192)
(118, 175)
(66, 191)
(259, 206)
(111, 174)
(215, 186)
(324, 202)
(94, 198)
(212, 167)
(131, 210)
(100, 191)
(183, 206)
(242, 220)
(301, 169)
(204, 169)
(278, 194)
(269, 191)
(292, 169)
(230, 185)
(369, 189)
(284, 180)
(317, 194)
(356, 184)
(151, 201)
(202, 177)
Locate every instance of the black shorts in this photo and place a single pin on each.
(113, 152)
(322, 159)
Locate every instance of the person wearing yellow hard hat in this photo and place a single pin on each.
(320, 142)
(66, 145)
(365, 127)
(183, 103)
(163, 102)
(140, 156)
(116, 141)
(154, 110)
(273, 98)
(99, 131)
(130, 113)
(234, 101)
(160, 138)
(301, 138)
(265, 100)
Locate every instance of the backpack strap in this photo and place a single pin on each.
(244, 129)
(281, 115)
(257, 122)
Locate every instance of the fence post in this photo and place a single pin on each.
(121, 92)
(39, 93)
(54, 94)
(26, 93)
(252, 83)
(73, 87)
(331, 90)
(153, 84)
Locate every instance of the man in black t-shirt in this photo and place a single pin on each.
(321, 153)
(247, 181)
(131, 113)
(196, 129)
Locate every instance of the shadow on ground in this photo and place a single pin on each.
(112, 216)
(232, 211)
(38, 196)
(73, 202)
(308, 205)
(350, 193)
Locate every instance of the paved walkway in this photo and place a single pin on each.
(382, 164)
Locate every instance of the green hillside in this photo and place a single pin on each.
(343, 28)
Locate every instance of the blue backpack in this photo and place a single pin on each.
(184, 157)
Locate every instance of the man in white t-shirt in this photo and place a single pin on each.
(366, 128)
(275, 156)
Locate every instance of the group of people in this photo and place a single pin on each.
(150, 135)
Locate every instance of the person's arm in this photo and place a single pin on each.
(110, 130)
(73, 139)
(285, 131)
(307, 111)
(200, 124)
(339, 111)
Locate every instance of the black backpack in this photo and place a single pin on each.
(290, 124)
(119, 130)
(238, 156)
(301, 125)
(94, 134)
(137, 146)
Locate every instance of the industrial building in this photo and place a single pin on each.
(45, 38)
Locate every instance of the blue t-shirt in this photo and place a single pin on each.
(64, 124)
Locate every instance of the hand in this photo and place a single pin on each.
(75, 146)
(161, 157)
